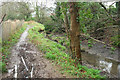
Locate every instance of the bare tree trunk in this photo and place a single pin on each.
(75, 32)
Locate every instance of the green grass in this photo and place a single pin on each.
(3, 67)
(6, 46)
(56, 52)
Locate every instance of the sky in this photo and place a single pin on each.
(50, 3)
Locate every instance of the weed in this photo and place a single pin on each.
(90, 42)
(90, 45)
(104, 46)
(113, 49)
(50, 56)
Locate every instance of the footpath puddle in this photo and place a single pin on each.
(15, 59)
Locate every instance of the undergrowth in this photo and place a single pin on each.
(6, 47)
(56, 52)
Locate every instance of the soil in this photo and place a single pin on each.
(27, 62)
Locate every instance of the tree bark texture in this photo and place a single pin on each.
(75, 32)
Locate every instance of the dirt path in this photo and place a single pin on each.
(27, 62)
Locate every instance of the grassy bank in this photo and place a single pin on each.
(8, 44)
(56, 53)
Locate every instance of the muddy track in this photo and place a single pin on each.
(27, 62)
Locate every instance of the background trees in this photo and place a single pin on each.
(16, 10)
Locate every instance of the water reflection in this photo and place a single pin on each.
(106, 64)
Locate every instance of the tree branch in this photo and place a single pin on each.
(107, 11)
(112, 4)
(2, 18)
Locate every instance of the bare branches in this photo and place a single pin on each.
(107, 11)
(112, 4)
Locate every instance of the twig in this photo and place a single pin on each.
(24, 63)
(112, 4)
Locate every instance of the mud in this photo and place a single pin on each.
(27, 62)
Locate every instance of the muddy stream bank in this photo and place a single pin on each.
(97, 57)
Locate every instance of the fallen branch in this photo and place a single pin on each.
(95, 39)
(24, 63)
(107, 27)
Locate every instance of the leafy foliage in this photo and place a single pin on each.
(3, 67)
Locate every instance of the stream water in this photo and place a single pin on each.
(106, 64)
